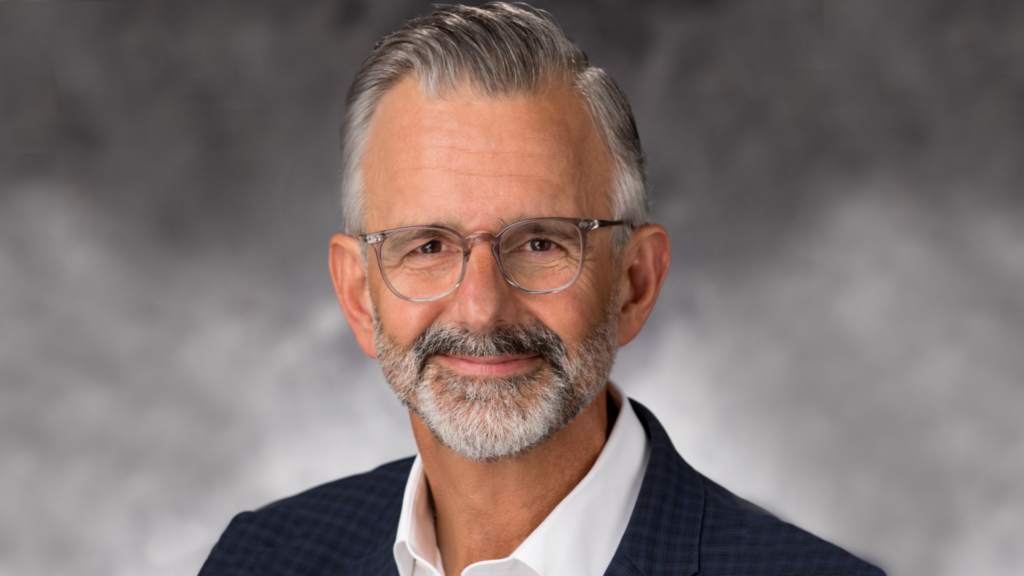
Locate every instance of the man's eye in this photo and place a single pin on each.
(432, 247)
(539, 245)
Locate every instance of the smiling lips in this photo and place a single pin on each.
(490, 365)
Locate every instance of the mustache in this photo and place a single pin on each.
(527, 339)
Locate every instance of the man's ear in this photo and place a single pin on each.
(644, 267)
(353, 289)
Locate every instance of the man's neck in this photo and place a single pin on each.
(485, 510)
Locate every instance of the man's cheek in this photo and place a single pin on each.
(404, 323)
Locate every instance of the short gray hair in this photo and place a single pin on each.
(500, 50)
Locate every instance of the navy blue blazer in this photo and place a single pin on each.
(682, 524)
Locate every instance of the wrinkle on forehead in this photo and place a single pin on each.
(455, 223)
(535, 154)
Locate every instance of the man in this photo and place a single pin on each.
(498, 251)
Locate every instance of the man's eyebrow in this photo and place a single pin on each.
(503, 222)
(452, 223)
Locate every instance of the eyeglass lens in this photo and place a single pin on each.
(427, 262)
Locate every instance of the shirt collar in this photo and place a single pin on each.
(579, 537)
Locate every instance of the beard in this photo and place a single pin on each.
(487, 418)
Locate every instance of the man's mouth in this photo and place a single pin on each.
(490, 365)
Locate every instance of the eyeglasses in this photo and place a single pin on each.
(537, 256)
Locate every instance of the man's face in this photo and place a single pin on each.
(477, 164)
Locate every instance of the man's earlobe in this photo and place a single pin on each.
(644, 268)
(349, 274)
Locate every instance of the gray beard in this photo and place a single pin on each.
(489, 418)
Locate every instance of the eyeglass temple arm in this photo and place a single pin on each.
(590, 224)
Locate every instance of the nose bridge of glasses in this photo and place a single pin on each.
(480, 237)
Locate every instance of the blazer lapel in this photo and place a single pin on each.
(380, 563)
(663, 534)
(306, 557)
(622, 566)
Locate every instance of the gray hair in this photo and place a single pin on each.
(500, 50)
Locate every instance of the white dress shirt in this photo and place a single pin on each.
(578, 538)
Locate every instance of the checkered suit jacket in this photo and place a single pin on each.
(682, 524)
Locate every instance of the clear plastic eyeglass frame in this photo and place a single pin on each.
(582, 225)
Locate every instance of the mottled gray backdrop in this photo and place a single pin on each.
(841, 338)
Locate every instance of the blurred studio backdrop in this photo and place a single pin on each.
(841, 338)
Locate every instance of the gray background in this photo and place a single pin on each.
(841, 338)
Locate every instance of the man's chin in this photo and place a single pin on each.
(487, 431)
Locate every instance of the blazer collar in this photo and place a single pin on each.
(380, 563)
(663, 534)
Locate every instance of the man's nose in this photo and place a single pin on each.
(483, 300)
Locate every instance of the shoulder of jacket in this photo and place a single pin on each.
(340, 521)
(738, 536)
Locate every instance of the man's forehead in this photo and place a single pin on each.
(542, 130)
(535, 152)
